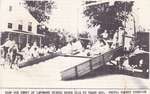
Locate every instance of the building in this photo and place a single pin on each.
(17, 23)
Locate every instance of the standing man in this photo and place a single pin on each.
(121, 34)
(6, 46)
(105, 35)
(118, 38)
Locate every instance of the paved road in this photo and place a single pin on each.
(47, 74)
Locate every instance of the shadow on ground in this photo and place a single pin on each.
(112, 70)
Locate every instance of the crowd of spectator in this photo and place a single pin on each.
(10, 53)
(66, 44)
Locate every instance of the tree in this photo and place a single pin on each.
(109, 17)
(40, 10)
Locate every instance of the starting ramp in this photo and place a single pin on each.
(90, 65)
(36, 60)
(75, 67)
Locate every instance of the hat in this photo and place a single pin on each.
(27, 45)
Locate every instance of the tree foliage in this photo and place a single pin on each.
(109, 17)
(40, 10)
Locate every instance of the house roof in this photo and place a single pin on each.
(19, 12)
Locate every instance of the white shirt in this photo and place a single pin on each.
(100, 47)
(105, 35)
(77, 46)
(8, 43)
(51, 49)
(120, 37)
(67, 49)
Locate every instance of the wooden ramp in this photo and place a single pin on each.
(37, 60)
(44, 58)
(88, 66)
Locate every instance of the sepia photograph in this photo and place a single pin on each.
(74, 44)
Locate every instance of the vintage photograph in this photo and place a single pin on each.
(74, 43)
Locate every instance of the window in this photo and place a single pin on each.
(19, 27)
(9, 25)
(29, 28)
(10, 8)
